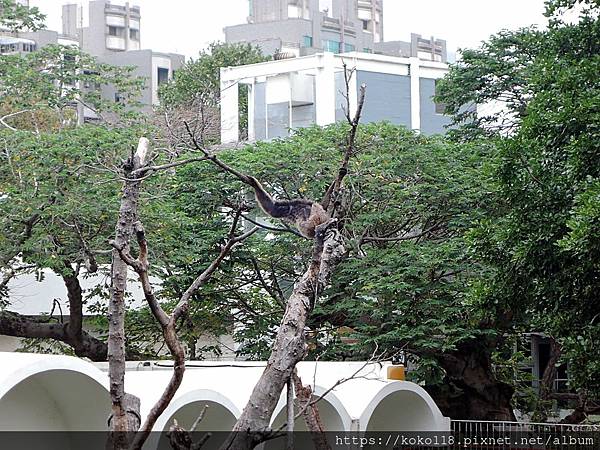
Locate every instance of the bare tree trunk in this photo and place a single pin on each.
(310, 411)
(547, 383)
(289, 348)
(116, 307)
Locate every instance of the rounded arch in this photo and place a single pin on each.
(332, 412)
(53, 393)
(402, 406)
(220, 415)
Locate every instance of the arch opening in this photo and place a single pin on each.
(57, 400)
(216, 418)
(330, 418)
(402, 411)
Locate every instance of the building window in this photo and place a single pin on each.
(367, 50)
(163, 75)
(134, 34)
(365, 25)
(440, 108)
(308, 41)
(349, 48)
(114, 31)
(331, 46)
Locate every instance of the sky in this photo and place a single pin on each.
(187, 26)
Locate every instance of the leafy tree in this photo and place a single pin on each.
(404, 285)
(49, 222)
(43, 90)
(16, 17)
(195, 92)
(542, 241)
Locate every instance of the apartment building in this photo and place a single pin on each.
(112, 33)
(292, 93)
(305, 27)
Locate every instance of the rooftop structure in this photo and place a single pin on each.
(305, 27)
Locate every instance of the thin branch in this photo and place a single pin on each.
(167, 166)
(169, 323)
(3, 119)
(199, 419)
(214, 159)
(286, 229)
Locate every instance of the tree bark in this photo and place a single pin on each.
(289, 348)
(116, 308)
(12, 324)
(312, 418)
(470, 390)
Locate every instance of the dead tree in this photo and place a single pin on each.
(125, 409)
(120, 424)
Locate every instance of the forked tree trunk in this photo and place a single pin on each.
(289, 347)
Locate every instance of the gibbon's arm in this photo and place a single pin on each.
(274, 208)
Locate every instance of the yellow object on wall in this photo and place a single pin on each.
(396, 373)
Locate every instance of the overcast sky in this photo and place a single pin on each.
(186, 26)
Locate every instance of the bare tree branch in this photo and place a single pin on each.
(167, 322)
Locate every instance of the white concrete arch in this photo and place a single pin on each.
(331, 409)
(220, 415)
(402, 406)
(52, 393)
(198, 398)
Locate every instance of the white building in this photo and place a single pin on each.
(298, 92)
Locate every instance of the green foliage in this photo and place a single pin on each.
(196, 86)
(49, 83)
(544, 241)
(554, 8)
(53, 178)
(200, 77)
(496, 74)
(17, 17)
(408, 294)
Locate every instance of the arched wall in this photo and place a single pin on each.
(401, 406)
(55, 400)
(220, 415)
(43, 398)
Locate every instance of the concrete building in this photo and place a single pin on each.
(305, 27)
(298, 92)
(112, 33)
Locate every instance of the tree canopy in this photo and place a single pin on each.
(16, 17)
(542, 241)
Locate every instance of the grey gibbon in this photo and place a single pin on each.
(306, 215)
